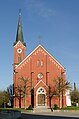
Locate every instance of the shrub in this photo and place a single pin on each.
(55, 107)
(30, 107)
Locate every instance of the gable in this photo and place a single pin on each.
(41, 82)
(43, 51)
(19, 44)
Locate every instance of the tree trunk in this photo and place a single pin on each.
(50, 101)
(20, 102)
(62, 99)
(25, 101)
(59, 100)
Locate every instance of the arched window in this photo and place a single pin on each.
(40, 63)
(41, 90)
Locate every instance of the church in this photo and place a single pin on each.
(35, 75)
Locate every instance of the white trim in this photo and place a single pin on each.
(39, 82)
(18, 43)
(51, 56)
(41, 92)
(45, 51)
(27, 57)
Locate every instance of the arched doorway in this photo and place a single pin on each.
(41, 100)
(41, 97)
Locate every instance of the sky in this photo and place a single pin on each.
(56, 21)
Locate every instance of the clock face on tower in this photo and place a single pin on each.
(19, 50)
(40, 75)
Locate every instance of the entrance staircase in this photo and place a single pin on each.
(41, 109)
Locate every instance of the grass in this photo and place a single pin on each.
(70, 108)
(17, 109)
(20, 109)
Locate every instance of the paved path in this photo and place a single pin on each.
(52, 115)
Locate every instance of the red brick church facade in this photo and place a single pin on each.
(38, 70)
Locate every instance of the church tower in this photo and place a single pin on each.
(19, 44)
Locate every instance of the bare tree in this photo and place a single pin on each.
(21, 90)
(61, 85)
(26, 86)
(10, 92)
(52, 92)
(18, 93)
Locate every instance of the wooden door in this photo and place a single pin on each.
(41, 100)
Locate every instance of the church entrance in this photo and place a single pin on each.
(41, 97)
(41, 100)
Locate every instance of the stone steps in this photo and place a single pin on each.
(41, 110)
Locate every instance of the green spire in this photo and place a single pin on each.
(19, 35)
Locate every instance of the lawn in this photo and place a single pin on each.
(70, 108)
(21, 109)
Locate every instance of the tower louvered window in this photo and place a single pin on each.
(19, 59)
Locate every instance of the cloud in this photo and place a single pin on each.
(38, 7)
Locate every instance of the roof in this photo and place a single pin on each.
(45, 52)
(19, 35)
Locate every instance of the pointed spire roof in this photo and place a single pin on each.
(19, 35)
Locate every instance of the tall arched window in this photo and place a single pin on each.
(40, 63)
